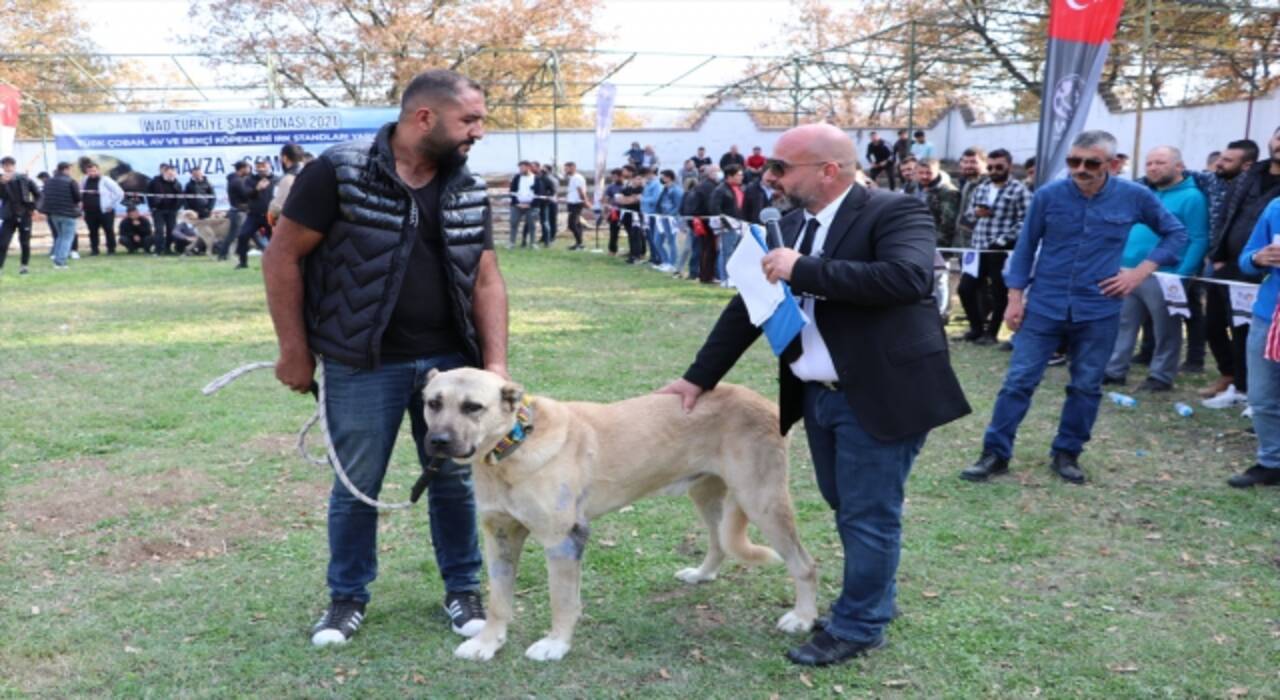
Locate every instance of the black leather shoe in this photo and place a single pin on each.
(823, 621)
(824, 650)
(1257, 475)
(987, 466)
(1066, 466)
(1153, 384)
(1116, 381)
(971, 335)
(986, 340)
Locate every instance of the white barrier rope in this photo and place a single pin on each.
(321, 417)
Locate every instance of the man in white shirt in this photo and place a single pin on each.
(576, 197)
(870, 374)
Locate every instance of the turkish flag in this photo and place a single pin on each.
(1080, 33)
(1087, 21)
(9, 98)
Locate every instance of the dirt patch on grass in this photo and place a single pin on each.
(90, 507)
(280, 445)
(79, 497)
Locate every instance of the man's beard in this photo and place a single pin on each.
(446, 154)
(999, 177)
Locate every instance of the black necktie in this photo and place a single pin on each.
(810, 230)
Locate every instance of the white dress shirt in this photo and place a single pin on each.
(814, 363)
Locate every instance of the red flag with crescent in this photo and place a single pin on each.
(9, 99)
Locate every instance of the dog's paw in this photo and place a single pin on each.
(791, 623)
(547, 649)
(692, 575)
(476, 650)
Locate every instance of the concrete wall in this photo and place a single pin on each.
(1196, 130)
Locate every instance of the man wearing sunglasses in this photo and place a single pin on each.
(870, 374)
(1080, 225)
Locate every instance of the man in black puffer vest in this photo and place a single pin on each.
(383, 263)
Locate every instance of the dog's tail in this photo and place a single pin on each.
(734, 540)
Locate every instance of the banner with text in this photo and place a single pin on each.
(129, 145)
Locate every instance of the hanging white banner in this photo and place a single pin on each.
(1175, 295)
(604, 124)
(1242, 298)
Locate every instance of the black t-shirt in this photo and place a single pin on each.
(422, 324)
(1269, 181)
(629, 191)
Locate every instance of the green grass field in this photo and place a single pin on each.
(156, 543)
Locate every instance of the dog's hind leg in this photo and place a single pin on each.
(733, 536)
(769, 507)
(503, 541)
(708, 495)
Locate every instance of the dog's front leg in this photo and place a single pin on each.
(564, 576)
(503, 540)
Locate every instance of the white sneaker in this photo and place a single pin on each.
(1225, 399)
(1248, 412)
(255, 253)
(75, 255)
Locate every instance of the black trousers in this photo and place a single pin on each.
(874, 174)
(249, 231)
(707, 258)
(985, 297)
(1196, 324)
(165, 221)
(106, 221)
(22, 225)
(1227, 342)
(635, 239)
(575, 223)
(614, 228)
(134, 243)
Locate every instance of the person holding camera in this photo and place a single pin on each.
(997, 208)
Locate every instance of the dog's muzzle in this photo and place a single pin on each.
(442, 444)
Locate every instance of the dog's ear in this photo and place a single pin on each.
(432, 374)
(512, 395)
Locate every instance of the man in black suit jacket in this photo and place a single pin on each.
(870, 378)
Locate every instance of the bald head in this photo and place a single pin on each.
(1164, 166)
(820, 142)
(813, 165)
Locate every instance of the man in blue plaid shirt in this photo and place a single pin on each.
(998, 207)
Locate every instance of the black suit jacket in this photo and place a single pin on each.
(754, 201)
(875, 310)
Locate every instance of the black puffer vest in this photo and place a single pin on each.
(353, 277)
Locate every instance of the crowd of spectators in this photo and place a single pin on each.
(160, 215)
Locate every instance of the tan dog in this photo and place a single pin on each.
(581, 460)
(212, 230)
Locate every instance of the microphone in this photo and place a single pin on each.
(772, 232)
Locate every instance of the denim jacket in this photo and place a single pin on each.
(1071, 243)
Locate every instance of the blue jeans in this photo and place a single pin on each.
(728, 243)
(695, 255)
(365, 408)
(1089, 344)
(65, 227)
(864, 481)
(667, 249)
(1264, 395)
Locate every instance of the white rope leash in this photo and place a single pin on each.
(321, 417)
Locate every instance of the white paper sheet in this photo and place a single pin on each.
(745, 272)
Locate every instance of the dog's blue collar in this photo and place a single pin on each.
(519, 432)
